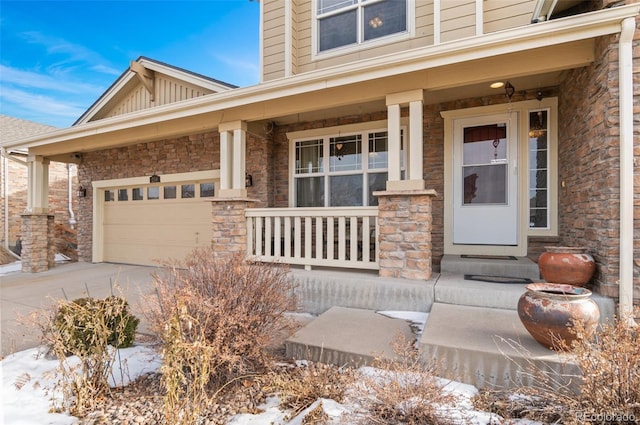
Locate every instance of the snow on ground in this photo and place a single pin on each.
(28, 385)
(16, 266)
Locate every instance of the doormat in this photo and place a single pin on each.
(497, 279)
(490, 257)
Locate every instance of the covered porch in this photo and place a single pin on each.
(414, 98)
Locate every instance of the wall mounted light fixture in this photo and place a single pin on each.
(154, 179)
(81, 192)
(248, 180)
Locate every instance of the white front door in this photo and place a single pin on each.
(485, 180)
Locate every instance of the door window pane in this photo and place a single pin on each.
(136, 194)
(485, 184)
(385, 18)
(169, 192)
(538, 170)
(310, 192)
(485, 144)
(346, 191)
(123, 195)
(153, 192)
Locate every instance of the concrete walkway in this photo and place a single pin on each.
(22, 294)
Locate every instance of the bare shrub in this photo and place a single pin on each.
(299, 387)
(90, 329)
(216, 316)
(609, 382)
(405, 391)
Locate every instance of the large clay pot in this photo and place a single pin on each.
(548, 309)
(563, 264)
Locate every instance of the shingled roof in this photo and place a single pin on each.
(12, 128)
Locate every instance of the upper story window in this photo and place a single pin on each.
(343, 23)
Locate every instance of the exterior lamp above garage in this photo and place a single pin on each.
(154, 179)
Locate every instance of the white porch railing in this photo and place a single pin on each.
(336, 237)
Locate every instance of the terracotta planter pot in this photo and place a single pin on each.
(547, 309)
(569, 265)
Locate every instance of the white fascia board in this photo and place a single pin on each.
(532, 36)
(102, 102)
(184, 76)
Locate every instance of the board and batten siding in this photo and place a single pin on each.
(167, 90)
(457, 21)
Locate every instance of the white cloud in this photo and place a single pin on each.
(21, 78)
(60, 112)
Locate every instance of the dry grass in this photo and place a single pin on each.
(300, 387)
(609, 390)
(406, 391)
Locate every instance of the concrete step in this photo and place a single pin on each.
(520, 267)
(486, 347)
(347, 336)
(454, 289)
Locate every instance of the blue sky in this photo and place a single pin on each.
(58, 57)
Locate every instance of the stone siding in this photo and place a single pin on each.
(404, 220)
(38, 250)
(589, 152)
(17, 196)
(197, 152)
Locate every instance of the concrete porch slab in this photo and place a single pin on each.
(454, 289)
(522, 267)
(486, 347)
(347, 336)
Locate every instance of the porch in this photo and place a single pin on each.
(472, 331)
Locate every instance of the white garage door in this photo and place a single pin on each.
(150, 224)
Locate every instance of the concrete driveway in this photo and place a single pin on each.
(22, 293)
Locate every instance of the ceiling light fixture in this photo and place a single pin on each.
(497, 85)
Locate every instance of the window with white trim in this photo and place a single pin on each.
(341, 170)
(343, 23)
(539, 160)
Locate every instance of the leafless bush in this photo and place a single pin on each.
(609, 389)
(405, 391)
(89, 329)
(216, 317)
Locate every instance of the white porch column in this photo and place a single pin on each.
(225, 161)
(38, 185)
(413, 142)
(233, 147)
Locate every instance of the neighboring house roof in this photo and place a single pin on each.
(148, 83)
(12, 128)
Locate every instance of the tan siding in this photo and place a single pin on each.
(423, 37)
(294, 37)
(273, 39)
(167, 90)
(458, 19)
(504, 14)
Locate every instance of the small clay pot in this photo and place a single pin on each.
(569, 265)
(548, 309)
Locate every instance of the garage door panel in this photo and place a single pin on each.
(152, 231)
